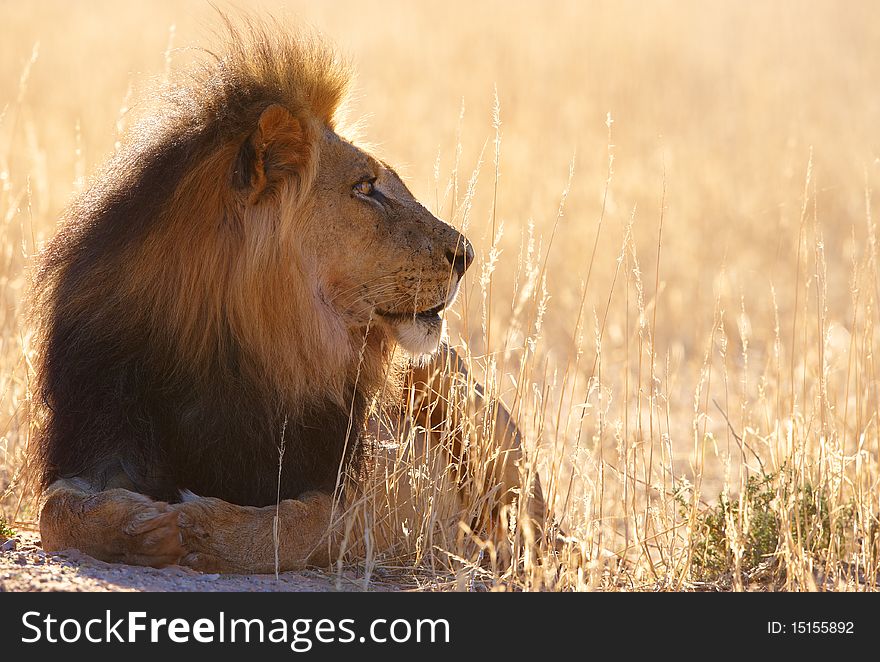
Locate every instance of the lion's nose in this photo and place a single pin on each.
(462, 257)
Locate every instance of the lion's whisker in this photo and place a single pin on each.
(340, 293)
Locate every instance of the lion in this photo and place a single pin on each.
(218, 312)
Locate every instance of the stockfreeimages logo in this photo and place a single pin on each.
(299, 634)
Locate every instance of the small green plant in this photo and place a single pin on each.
(6, 531)
(765, 496)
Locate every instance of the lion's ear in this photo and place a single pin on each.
(277, 149)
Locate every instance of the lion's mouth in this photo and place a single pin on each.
(429, 315)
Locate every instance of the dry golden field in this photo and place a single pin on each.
(673, 205)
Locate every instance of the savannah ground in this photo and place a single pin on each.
(677, 289)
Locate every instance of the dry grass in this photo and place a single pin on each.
(678, 281)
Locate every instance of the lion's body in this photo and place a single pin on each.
(141, 373)
(233, 282)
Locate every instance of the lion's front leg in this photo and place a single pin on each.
(443, 392)
(222, 537)
(113, 525)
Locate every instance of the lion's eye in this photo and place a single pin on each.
(365, 187)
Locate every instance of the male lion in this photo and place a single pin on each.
(217, 314)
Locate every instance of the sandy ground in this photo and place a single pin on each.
(26, 567)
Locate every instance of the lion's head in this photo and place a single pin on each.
(323, 242)
(237, 269)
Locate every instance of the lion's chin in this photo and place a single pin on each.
(419, 337)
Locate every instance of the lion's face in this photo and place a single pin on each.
(368, 252)
(381, 256)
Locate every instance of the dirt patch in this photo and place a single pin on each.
(26, 567)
